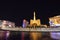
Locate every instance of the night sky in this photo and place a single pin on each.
(16, 11)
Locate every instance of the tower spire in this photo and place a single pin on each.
(34, 16)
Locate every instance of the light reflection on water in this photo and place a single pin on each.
(35, 35)
(55, 35)
(22, 35)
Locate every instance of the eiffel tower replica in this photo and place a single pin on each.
(35, 22)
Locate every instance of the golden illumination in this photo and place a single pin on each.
(55, 19)
(34, 16)
(35, 21)
(35, 35)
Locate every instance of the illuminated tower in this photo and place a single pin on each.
(34, 16)
(35, 21)
(25, 23)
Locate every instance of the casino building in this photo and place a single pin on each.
(54, 21)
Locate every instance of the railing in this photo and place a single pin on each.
(31, 29)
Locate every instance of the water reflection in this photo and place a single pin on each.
(25, 36)
(35, 35)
